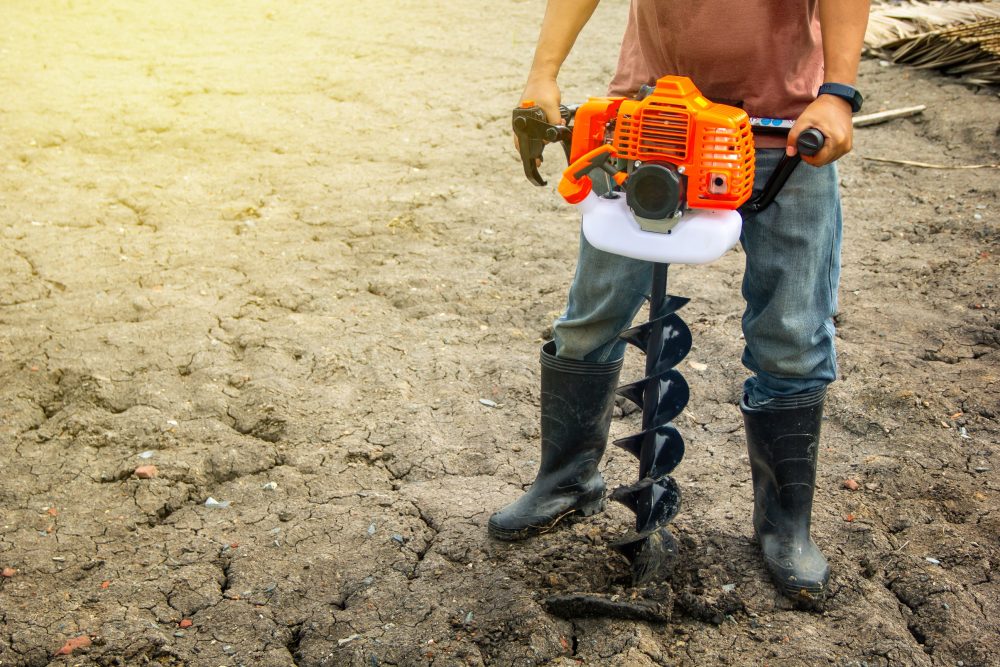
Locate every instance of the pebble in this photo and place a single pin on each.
(218, 504)
(73, 644)
(146, 472)
(487, 402)
(851, 485)
(8, 572)
(185, 623)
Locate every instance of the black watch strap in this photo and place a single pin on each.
(845, 92)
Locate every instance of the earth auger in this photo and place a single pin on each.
(658, 178)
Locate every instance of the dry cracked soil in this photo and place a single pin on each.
(284, 253)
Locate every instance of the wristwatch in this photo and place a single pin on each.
(845, 92)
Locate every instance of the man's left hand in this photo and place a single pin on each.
(832, 116)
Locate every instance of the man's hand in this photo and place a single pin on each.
(544, 92)
(832, 116)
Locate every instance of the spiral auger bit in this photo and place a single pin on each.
(662, 394)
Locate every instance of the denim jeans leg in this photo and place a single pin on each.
(790, 283)
(606, 294)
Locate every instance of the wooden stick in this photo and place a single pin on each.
(925, 165)
(884, 116)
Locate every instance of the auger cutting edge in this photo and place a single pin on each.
(660, 179)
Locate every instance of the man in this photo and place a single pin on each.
(793, 59)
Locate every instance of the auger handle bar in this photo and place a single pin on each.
(809, 143)
(533, 132)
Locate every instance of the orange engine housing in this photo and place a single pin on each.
(710, 144)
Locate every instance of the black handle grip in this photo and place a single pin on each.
(533, 132)
(529, 127)
(810, 141)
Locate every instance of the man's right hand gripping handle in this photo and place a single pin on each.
(539, 119)
(532, 132)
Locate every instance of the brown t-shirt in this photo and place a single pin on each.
(765, 55)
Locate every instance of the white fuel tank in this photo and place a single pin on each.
(701, 235)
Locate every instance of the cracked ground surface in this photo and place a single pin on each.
(280, 251)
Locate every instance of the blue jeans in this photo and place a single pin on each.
(789, 284)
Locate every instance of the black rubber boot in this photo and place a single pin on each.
(783, 443)
(577, 403)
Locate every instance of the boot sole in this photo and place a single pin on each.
(509, 535)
